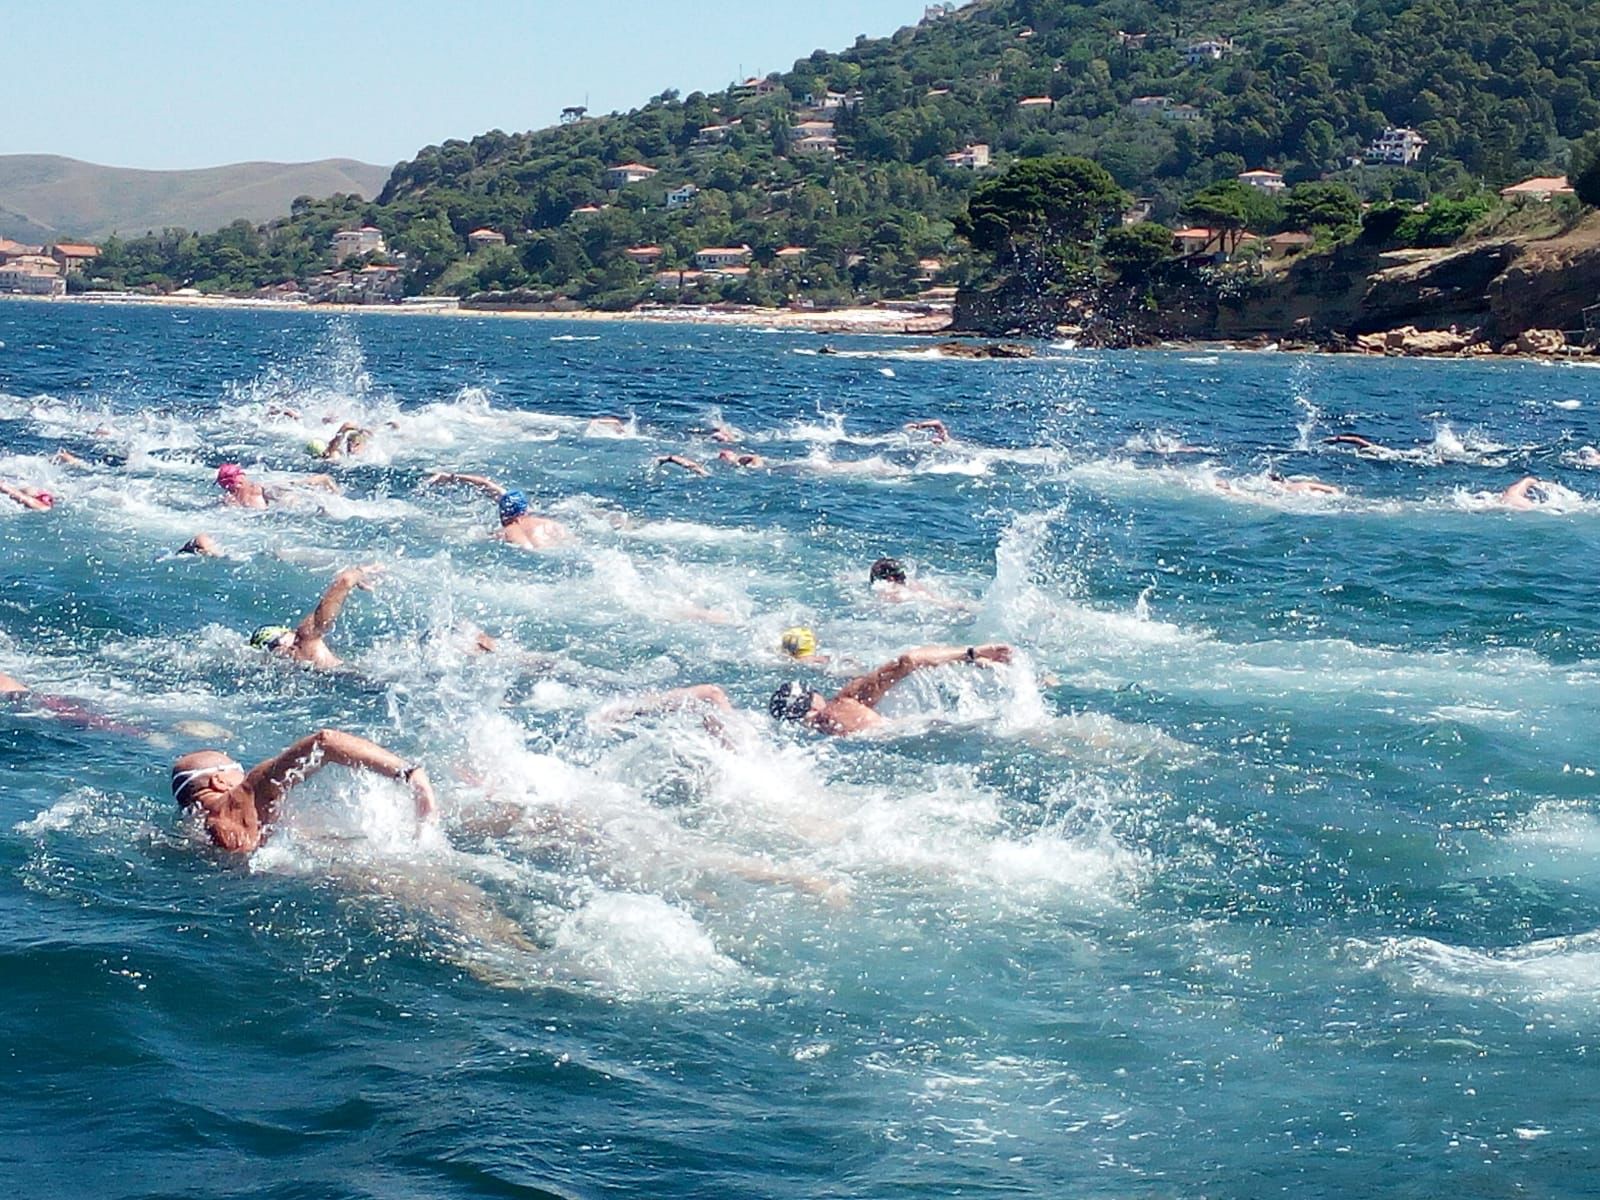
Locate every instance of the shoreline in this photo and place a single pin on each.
(865, 321)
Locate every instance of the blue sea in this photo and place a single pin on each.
(1270, 867)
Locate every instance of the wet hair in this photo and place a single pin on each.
(791, 702)
(890, 570)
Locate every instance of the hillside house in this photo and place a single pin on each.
(21, 277)
(589, 210)
(753, 88)
(10, 249)
(791, 254)
(74, 256)
(718, 258)
(972, 158)
(1281, 245)
(936, 12)
(678, 279)
(1139, 211)
(1207, 50)
(357, 243)
(1396, 147)
(1149, 106)
(628, 173)
(820, 146)
(1131, 41)
(1182, 112)
(680, 196)
(711, 135)
(1036, 104)
(810, 129)
(1541, 188)
(1270, 182)
(482, 239)
(645, 256)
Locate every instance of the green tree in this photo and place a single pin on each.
(1045, 206)
(1134, 251)
(1327, 205)
(1584, 170)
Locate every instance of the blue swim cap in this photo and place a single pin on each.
(512, 505)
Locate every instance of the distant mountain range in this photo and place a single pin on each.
(44, 197)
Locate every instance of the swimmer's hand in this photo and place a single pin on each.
(363, 577)
(422, 793)
(994, 653)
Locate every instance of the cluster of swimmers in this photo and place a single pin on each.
(238, 806)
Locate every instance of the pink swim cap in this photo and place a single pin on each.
(45, 498)
(229, 474)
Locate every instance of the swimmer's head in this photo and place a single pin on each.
(316, 449)
(193, 772)
(1275, 476)
(513, 505)
(271, 637)
(45, 498)
(798, 642)
(230, 475)
(887, 570)
(793, 702)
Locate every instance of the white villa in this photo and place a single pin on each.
(620, 177)
(973, 158)
(718, 258)
(1396, 147)
(1209, 50)
(355, 243)
(1263, 181)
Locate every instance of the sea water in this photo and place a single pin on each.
(1270, 866)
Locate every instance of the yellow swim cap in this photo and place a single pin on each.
(799, 642)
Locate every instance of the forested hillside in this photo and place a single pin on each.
(1499, 88)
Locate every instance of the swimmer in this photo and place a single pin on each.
(349, 440)
(68, 459)
(605, 427)
(32, 498)
(1303, 487)
(9, 686)
(800, 644)
(202, 545)
(67, 710)
(706, 699)
(304, 643)
(941, 435)
(678, 460)
(239, 806)
(1526, 494)
(889, 581)
(518, 527)
(753, 462)
(240, 491)
(1362, 445)
(854, 709)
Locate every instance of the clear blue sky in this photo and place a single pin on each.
(192, 83)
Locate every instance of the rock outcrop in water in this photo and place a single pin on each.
(1507, 295)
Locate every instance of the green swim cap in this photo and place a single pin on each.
(268, 636)
(316, 449)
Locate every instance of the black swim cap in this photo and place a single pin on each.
(791, 702)
(889, 569)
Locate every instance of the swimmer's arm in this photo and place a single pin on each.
(678, 460)
(488, 486)
(270, 780)
(22, 498)
(870, 689)
(318, 623)
(937, 428)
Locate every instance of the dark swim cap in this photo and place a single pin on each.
(513, 504)
(791, 702)
(890, 569)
